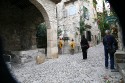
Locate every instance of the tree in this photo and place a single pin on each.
(82, 25)
(102, 24)
(41, 36)
(59, 32)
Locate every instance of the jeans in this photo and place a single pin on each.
(111, 59)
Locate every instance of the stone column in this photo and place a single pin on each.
(48, 10)
(120, 43)
(52, 49)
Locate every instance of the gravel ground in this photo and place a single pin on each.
(68, 69)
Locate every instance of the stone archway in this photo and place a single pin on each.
(18, 19)
(48, 10)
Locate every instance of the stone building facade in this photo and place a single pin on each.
(68, 19)
(69, 12)
(91, 19)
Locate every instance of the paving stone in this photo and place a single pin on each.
(69, 69)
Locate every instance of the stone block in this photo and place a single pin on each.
(120, 60)
(55, 55)
(27, 56)
(121, 68)
(119, 57)
(23, 60)
(40, 59)
(77, 49)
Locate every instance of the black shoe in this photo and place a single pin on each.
(114, 70)
(106, 67)
(84, 58)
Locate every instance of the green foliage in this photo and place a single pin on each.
(41, 30)
(41, 36)
(112, 12)
(102, 23)
(82, 25)
(59, 31)
(104, 26)
(94, 3)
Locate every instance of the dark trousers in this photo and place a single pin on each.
(84, 53)
(72, 51)
(111, 59)
(60, 50)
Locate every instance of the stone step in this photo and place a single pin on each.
(121, 68)
(119, 56)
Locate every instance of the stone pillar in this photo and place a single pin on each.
(48, 10)
(120, 42)
(52, 49)
(66, 47)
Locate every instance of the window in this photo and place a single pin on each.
(72, 10)
(85, 13)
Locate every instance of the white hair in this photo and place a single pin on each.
(107, 31)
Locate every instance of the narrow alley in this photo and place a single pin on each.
(68, 69)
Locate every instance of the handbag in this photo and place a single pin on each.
(112, 49)
(85, 46)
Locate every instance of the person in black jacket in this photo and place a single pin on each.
(84, 46)
(110, 44)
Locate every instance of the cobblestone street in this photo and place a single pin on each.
(68, 69)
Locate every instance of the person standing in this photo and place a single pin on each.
(110, 44)
(60, 45)
(72, 45)
(84, 46)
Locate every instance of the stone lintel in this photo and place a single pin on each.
(56, 1)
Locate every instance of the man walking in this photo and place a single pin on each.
(84, 46)
(110, 45)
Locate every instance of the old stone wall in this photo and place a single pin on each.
(18, 26)
(22, 21)
(92, 15)
(10, 25)
(31, 19)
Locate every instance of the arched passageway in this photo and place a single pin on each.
(49, 14)
(18, 22)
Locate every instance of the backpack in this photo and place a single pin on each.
(109, 41)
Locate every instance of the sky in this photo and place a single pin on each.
(99, 6)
